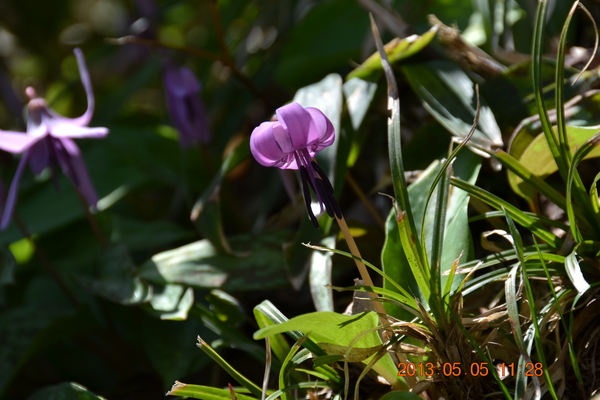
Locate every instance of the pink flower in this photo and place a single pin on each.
(291, 142)
(186, 109)
(48, 142)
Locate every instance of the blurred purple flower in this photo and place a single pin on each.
(48, 143)
(290, 142)
(185, 106)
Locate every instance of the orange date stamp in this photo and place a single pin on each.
(473, 369)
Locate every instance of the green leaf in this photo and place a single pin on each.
(329, 327)
(510, 95)
(342, 330)
(397, 50)
(457, 233)
(171, 302)
(338, 329)
(404, 217)
(32, 328)
(140, 234)
(115, 280)
(319, 277)
(322, 41)
(204, 392)
(359, 95)
(228, 335)
(65, 391)
(269, 311)
(448, 94)
(235, 374)
(538, 159)
(349, 354)
(288, 366)
(574, 271)
(516, 169)
(278, 343)
(516, 214)
(226, 307)
(169, 345)
(199, 264)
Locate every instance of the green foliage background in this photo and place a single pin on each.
(137, 305)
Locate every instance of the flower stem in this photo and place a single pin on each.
(96, 230)
(362, 269)
(41, 255)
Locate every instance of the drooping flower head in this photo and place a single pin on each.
(291, 142)
(186, 109)
(48, 142)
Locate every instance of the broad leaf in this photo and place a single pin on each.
(261, 264)
(397, 50)
(537, 158)
(448, 94)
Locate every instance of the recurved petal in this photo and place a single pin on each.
(62, 129)
(263, 145)
(265, 148)
(16, 142)
(321, 130)
(39, 155)
(296, 121)
(11, 199)
(87, 85)
(73, 166)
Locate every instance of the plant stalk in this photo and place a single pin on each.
(362, 269)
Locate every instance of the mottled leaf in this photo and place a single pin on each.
(397, 50)
(261, 264)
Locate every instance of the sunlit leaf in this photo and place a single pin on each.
(538, 159)
(397, 50)
(448, 94)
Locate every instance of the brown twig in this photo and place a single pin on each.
(362, 269)
(224, 58)
(153, 43)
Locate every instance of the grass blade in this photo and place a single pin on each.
(518, 245)
(573, 175)
(241, 379)
(536, 65)
(204, 392)
(519, 216)
(395, 147)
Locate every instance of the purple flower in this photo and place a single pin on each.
(48, 143)
(185, 106)
(290, 142)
